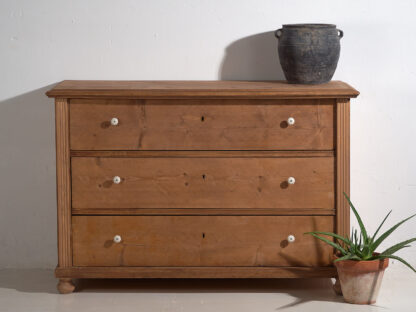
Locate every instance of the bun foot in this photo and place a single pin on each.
(337, 287)
(65, 286)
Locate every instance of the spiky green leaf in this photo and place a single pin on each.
(396, 258)
(387, 233)
(397, 247)
(336, 246)
(357, 216)
(379, 227)
(341, 238)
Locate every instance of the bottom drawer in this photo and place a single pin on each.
(199, 241)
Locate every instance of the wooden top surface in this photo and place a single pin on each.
(201, 89)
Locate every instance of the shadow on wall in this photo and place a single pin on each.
(27, 184)
(252, 58)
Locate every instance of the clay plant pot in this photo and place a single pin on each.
(361, 280)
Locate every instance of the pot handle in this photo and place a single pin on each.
(278, 33)
(340, 33)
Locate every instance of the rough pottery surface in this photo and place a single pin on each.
(361, 280)
(309, 53)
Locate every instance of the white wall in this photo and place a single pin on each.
(45, 41)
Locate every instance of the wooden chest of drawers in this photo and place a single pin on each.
(215, 179)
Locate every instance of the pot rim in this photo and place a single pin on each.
(362, 265)
(311, 25)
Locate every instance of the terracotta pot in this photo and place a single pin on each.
(361, 280)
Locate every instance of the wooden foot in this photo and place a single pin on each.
(337, 287)
(65, 286)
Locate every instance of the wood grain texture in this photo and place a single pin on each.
(204, 154)
(199, 89)
(343, 166)
(195, 272)
(63, 183)
(202, 124)
(200, 241)
(65, 286)
(206, 211)
(203, 167)
(203, 183)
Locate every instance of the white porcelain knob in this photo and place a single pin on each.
(291, 180)
(114, 121)
(116, 180)
(117, 239)
(291, 121)
(291, 238)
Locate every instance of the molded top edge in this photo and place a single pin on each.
(199, 89)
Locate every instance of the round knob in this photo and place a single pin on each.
(117, 239)
(291, 238)
(291, 121)
(116, 180)
(114, 121)
(291, 180)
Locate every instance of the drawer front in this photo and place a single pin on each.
(201, 124)
(199, 241)
(202, 182)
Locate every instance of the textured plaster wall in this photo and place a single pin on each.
(45, 41)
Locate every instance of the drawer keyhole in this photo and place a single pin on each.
(202, 118)
(203, 235)
(203, 176)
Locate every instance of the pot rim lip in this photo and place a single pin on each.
(335, 256)
(372, 265)
(309, 25)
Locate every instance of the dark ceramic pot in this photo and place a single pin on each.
(309, 53)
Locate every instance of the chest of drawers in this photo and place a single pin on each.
(214, 179)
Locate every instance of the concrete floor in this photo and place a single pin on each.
(35, 290)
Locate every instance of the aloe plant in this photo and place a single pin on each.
(362, 247)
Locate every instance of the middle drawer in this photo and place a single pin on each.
(202, 182)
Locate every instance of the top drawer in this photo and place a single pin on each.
(201, 124)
